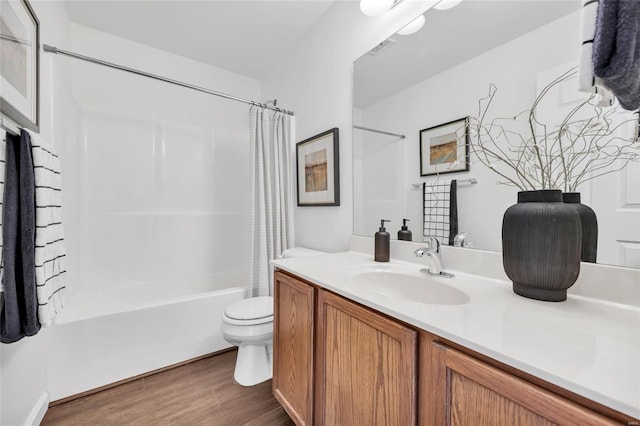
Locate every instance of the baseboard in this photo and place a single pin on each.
(38, 411)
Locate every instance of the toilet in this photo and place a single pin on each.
(248, 324)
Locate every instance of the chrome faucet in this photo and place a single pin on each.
(432, 251)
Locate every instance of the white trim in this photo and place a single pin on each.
(38, 411)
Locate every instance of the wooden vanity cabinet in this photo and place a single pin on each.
(365, 366)
(293, 347)
(364, 369)
(339, 363)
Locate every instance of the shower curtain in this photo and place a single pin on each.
(271, 185)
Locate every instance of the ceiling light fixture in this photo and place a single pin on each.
(446, 4)
(377, 7)
(413, 26)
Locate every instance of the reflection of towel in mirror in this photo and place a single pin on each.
(18, 316)
(616, 49)
(587, 81)
(440, 210)
(50, 250)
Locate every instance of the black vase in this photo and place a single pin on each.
(541, 242)
(589, 224)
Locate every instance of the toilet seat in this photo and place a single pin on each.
(252, 311)
(256, 321)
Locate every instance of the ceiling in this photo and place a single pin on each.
(449, 38)
(247, 37)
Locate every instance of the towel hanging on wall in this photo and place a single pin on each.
(19, 312)
(50, 254)
(440, 210)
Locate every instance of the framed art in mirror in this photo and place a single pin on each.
(19, 63)
(318, 170)
(445, 148)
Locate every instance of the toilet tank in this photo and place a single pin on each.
(299, 252)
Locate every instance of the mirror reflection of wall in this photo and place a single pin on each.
(437, 75)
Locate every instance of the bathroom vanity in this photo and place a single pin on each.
(359, 342)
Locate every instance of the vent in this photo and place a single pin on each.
(378, 49)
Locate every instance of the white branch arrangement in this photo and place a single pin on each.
(552, 155)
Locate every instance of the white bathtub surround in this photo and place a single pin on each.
(50, 250)
(84, 353)
(271, 184)
(156, 187)
(156, 209)
(586, 345)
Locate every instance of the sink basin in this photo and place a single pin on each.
(398, 282)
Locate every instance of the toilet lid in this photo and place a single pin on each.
(251, 309)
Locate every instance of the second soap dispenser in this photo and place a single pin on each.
(404, 234)
(382, 238)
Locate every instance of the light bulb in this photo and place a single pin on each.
(446, 4)
(375, 7)
(412, 26)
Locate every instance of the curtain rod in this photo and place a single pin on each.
(382, 132)
(52, 49)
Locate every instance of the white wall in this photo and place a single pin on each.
(160, 172)
(513, 67)
(316, 83)
(23, 396)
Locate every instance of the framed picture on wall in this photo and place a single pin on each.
(19, 59)
(318, 170)
(445, 148)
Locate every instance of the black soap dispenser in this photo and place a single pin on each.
(382, 239)
(404, 234)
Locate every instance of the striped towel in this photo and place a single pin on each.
(50, 251)
(587, 81)
(440, 207)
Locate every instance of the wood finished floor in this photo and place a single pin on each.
(199, 393)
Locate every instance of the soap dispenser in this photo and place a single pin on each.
(382, 239)
(404, 234)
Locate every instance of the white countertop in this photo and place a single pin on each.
(587, 346)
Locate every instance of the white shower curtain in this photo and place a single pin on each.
(271, 186)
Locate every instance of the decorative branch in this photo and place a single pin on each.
(543, 158)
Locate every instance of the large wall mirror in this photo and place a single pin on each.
(437, 75)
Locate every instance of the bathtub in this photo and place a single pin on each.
(102, 337)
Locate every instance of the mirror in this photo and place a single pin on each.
(411, 84)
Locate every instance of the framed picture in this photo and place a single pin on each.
(318, 170)
(19, 60)
(445, 148)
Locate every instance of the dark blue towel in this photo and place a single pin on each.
(616, 49)
(19, 313)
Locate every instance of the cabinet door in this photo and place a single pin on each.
(366, 366)
(470, 392)
(293, 334)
